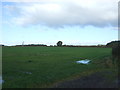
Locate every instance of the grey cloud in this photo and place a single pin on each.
(60, 14)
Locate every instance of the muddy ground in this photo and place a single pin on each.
(95, 80)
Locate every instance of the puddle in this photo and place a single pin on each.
(1, 81)
(28, 72)
(86, 61)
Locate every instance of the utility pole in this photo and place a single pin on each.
(22, 43)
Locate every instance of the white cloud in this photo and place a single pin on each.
(57, 13)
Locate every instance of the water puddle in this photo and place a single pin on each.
(28, 72)
(1, 81)
(86, 61)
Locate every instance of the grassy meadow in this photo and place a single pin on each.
(42, 67)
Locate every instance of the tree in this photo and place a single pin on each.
(59, 43)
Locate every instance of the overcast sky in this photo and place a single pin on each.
(75, 22)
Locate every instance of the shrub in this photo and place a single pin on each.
(113, 44)
(116, 54)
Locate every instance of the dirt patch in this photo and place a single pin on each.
(96, 80)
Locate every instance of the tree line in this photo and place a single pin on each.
(60, 44)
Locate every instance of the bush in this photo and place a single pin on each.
(116, 54)
(113, 44)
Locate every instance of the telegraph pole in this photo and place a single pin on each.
(22, 43)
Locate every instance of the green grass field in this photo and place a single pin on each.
(49, 65)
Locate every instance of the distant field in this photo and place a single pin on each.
(39, 67)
